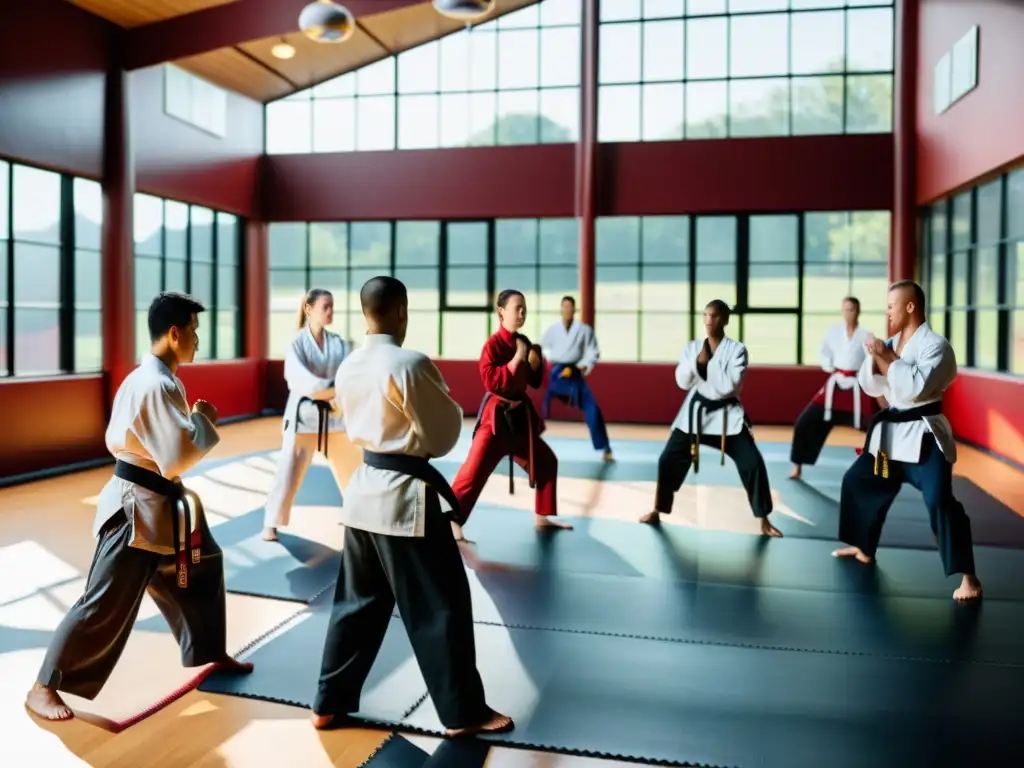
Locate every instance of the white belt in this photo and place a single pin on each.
(830, 387)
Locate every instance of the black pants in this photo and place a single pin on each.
(866, 497)
(426, 577)
(674, 464)
(89, 641)
(811, 431)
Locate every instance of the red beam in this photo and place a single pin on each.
(586, 159)
(227, 25)
(903, 253)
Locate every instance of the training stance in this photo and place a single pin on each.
(143, 524)
(507, 423)
(309, 423)
(841, 355)
(712, 371)
(398, 545)
(571, 348)
(910, 441)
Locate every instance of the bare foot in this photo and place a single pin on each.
(498, 723)
(233, 666)
(47, 703)
(796, 473)
(969, 590)
(853, 552)
(767, 529)
(269, 534)
(609, 456)
(651, 518)
(541, 522)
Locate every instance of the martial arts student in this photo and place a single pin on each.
(507, 423)
(841, 355)
(398, 545)
(571, 348)
(712, 372)
(309, 425)
(140, 527)
(910, 441)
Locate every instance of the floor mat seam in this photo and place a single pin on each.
(752, 646)
(373, 755)
(574, 752)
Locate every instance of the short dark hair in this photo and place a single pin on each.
(507, 294)
(720, 306)
(382, 294)
(853, 300)
(171, 309)
(917, 290)
(570, 299)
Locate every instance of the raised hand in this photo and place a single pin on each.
(522, 347)
(874, 347)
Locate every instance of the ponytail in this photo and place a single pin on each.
(309, 300)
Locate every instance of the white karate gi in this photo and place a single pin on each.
(726, 370)
(840, 352)
(309, 371)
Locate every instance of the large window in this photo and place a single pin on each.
(181, 247)
(49, 272)
(514, 80)
(785, 274)
(973, 262)
(453, 270)
(698, 69)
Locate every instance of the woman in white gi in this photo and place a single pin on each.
(309, 422)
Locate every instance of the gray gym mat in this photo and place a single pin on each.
(291, 569)
(652, 700)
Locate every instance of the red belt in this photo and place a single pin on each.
(845, 373)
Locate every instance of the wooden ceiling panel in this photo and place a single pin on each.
(136, 13)
(316, 62)
(230, 68)
(415, 25)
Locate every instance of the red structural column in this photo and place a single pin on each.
(586, 157)
(257, 301)
(118, 314)
(257, 281)
(903, 253)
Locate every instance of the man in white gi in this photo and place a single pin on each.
(908, 442)
(839, 401)
(143, 524)
(398, 543)
(571, 348)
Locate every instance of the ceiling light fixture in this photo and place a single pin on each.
(283, 50)
(327, 22)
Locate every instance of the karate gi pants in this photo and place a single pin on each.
(675, 460)
(811, 431)
(565, 389)
(426, 578)
(865, 500)
(89, 641)
(487, 450)
(297, 451)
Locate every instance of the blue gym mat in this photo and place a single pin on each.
(296, 569)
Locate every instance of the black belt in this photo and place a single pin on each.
(418, 467)
(699, 405)
(176, 494)
(323, 420)
(888, 416)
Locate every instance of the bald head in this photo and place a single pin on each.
(906, 306)
(385, 304)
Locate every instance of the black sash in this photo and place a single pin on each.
(418, 467)
(699, 405)
(887, 416)
(323, 420)
(176, 494)
(510, 410)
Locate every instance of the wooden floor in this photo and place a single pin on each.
(45, 551)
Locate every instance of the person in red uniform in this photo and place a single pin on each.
(507, 423)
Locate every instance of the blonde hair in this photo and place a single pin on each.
(309, 300)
